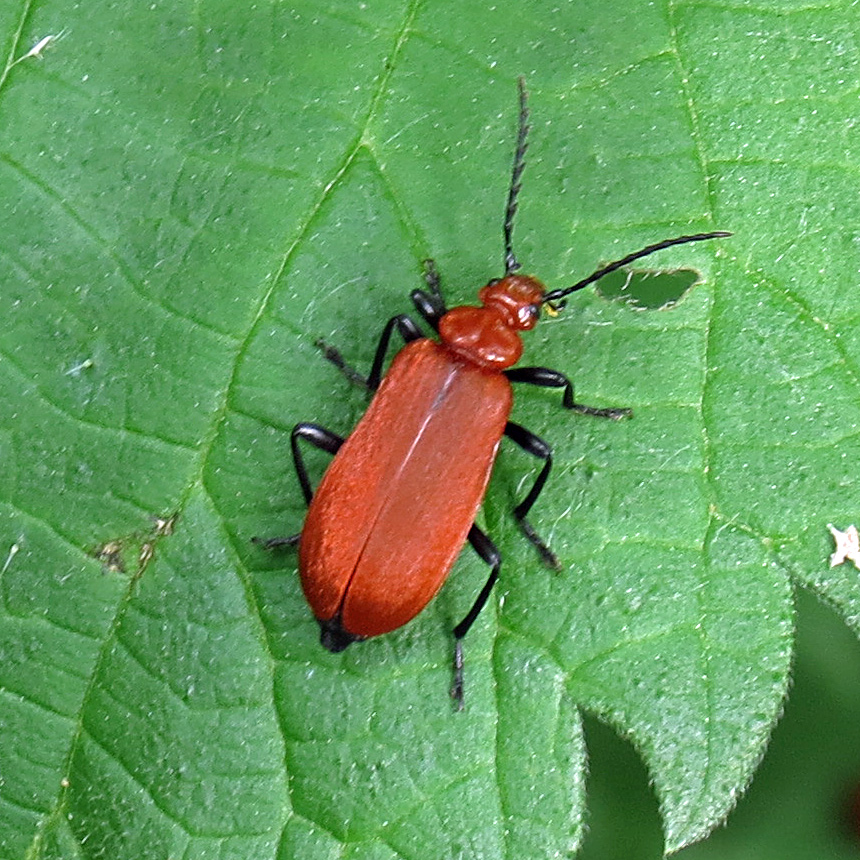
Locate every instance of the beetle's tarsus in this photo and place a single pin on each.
(457, 686)
(276, 542)
(549, 558)
(614, 413)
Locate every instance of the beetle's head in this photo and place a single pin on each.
(517, 297)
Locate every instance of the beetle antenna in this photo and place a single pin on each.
(511, 262)
(555, 295)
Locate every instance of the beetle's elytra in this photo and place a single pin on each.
(398, 502)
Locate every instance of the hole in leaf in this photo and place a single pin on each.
(648, 289)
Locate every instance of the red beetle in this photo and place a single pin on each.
(398, 502)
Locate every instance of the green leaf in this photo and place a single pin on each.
(192, 195)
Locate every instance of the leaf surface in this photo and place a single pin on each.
(192, 196)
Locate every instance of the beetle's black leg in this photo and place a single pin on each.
(320, 438)
(408, 331)
(431, 278)
(333, 355)
(547, 378)
(486, 549)
(429, 303)
(278, 542)
(533, 445)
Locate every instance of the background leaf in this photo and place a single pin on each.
(192, 195)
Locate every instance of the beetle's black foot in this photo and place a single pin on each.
(333, 355)
(274, 543)
(616, 413)
(549, 558)
(457, 686)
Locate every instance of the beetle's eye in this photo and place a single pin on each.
(493, 281)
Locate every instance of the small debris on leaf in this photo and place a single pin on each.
(847, 546)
